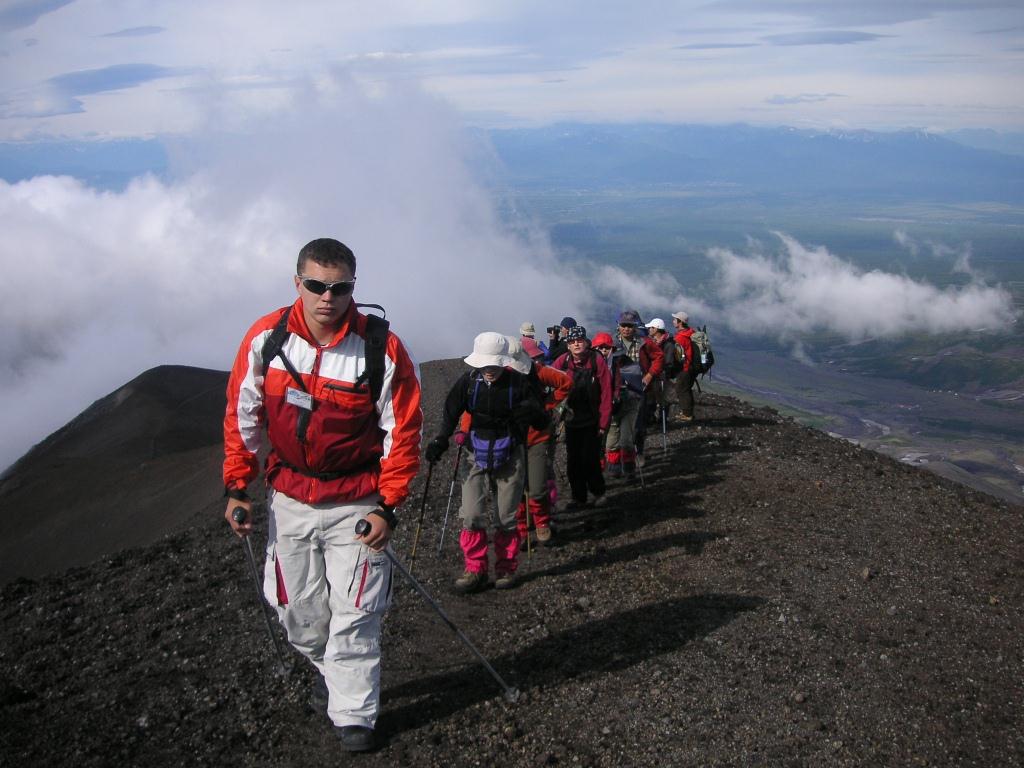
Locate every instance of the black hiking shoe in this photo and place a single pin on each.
(318, 697)
(355, 738)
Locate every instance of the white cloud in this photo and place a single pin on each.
(959, 256)
(100, 286)
(804, 290)
(613, 62)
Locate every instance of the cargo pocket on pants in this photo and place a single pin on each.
(274, 589)
(370, 589)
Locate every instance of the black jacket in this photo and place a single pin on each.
(509, 406)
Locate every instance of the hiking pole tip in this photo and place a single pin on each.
(239, 515)
(512, 695)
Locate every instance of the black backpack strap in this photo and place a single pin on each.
(272, 348)
(376, 348)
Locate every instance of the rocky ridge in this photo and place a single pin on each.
(772, 596)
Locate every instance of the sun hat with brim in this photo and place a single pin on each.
(657, 323)
(532, 348)
(602, 340)
(520, 360)
(576, 333)
(682, 317)
(489, 348)
(527, 329)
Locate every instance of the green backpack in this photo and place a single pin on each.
(703, 355)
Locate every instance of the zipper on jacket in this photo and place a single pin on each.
(342, 388)
(313, 376)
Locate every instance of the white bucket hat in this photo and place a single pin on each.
(520, 360)
(527, 329)
(489, 348)
(657, 323)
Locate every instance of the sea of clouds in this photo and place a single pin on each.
(99, 286)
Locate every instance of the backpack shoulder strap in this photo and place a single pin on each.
(273, 345)
(376, 347)
(474, 390)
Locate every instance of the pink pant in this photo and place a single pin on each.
(506, 551)
(540, 516)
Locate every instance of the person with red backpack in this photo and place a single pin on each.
(688, 374)
(503, 406)
(639, 361)
(591, 404)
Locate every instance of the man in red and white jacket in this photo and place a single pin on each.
(337, 456)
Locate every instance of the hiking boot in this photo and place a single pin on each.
(506, 581)
(543, 534)
(683, 417)
(318, 697)
(572, 505)
(470, 581)
(600, 501)
(355, 738)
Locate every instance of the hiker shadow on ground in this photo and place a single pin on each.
(600, 647)
(671, 488)
(692, 542)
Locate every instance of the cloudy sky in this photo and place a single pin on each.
(290, 121)
(102, 67)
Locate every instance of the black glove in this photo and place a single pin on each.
(436, 448)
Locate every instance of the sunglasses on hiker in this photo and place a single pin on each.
(339, 288)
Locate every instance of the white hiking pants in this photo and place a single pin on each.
(331, 593)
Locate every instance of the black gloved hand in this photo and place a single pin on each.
(436, 448)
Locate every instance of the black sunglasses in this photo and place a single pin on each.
(340, 288)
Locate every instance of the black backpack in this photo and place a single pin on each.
(584, 396)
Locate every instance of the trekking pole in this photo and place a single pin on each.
(640, 469)
(664, 418)
(451, 494)
(526, 498)
(238, 514)
(423, 508)
(511, 694)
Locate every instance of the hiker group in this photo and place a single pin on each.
(519, 395)
(337, 397)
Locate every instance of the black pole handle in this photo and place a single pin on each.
(362, 528)
(238, 514)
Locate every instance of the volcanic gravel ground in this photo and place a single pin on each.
(772, 597)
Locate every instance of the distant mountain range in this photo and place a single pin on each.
(782, 161)
(763, 161)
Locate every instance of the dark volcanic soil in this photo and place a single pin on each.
(773, 597)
